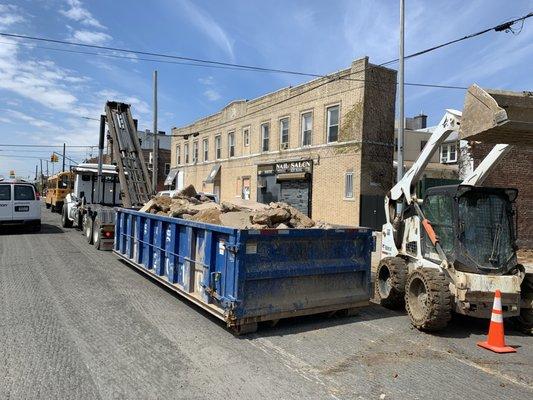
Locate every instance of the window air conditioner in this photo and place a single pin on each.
(284, 146)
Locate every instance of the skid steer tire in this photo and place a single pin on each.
(428, 300)
(389, 286)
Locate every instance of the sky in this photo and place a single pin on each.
(47, 96)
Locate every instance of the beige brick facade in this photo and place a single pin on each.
(364, 95)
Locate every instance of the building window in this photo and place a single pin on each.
(218, 147)
(195, 152)
(246, 137)
(178, 155)
(423, 144)
(333, 123)
(231, 144)
(167, 169)
(265, 135)
(348, 185)
(284, 133)
(186, 151)
(307, 128)
(448, 153)
(205, 145)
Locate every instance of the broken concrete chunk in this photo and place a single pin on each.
(147, 206)
(271, 217)
(229, 207)
(189, 191)
(237, 219)
(209, 216)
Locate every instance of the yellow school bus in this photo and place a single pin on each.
(57, 187)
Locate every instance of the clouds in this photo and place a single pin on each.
(208, 26)
(91, 37)
(41, 81)
(210, 92)
(78, 13)
(10, 15)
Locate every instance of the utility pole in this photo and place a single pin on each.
(36, 172)
(63, 169)
(41, 176)
(156, 142)
(399, 173)
(47, 169)
(101, 141)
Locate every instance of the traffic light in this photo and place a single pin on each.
(54, 158)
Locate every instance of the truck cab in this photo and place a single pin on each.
(90, 207)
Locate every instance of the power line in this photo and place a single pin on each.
(46, 145)
(154, 54)
(505, 26)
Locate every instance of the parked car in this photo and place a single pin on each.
(20, 204)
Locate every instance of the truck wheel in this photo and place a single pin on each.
(88, 228)
(389, 286)
(524, 322)
(65, 222)
(96, 234)
(427, 299)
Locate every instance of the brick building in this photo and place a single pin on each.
(325, 146)
(514, 171)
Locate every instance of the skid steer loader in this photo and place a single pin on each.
(452, 249)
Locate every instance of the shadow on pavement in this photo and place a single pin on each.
(46, 229)
(462, 326)
(286, 326)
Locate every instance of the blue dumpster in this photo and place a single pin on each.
(246, 276)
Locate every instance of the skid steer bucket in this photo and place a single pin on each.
(497, 116)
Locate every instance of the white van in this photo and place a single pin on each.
(19, 204)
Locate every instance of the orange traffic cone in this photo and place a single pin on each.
(496, 338)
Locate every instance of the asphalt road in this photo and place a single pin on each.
(76, 323)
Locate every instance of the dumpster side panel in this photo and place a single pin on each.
(315, 269)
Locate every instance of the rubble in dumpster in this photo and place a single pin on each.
(188, 204)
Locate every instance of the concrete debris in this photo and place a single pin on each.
(189, 191)
(187, 204)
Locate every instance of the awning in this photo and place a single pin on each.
(213, 174)
(171, 176)
(300, 176)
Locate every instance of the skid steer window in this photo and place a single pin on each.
(487, 228)
(438, 209)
